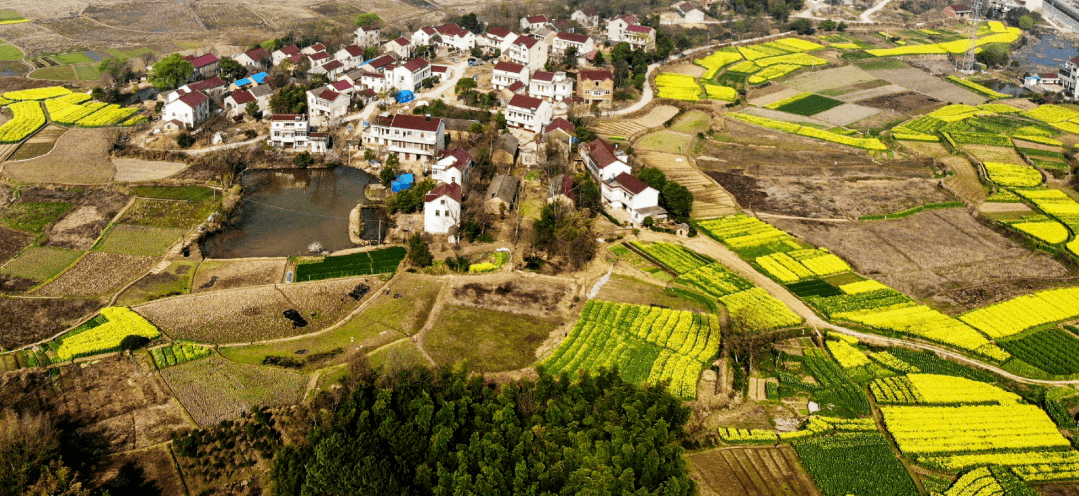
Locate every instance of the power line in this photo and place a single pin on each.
(296, 211)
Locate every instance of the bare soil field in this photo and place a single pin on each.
(143, 472)
(847, 113)
(11, 243)
(510, 293)
(1059, 490)
(710, 200)
(757, 471)
(41, 143)
(83, 224)
(871, 93)
(107, 418)
(938, 255)
(966, 182)
(827, 79)
(215, 275)
(223, 15)
(214, 389)
(778, 92)
(784, 116)
(88, 148)
(923, 83)
(908, 102)
(172, 281)
(257, 313)
(98, 274)
(136, 170)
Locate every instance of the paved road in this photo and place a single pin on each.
(708, 246)
(867, 15)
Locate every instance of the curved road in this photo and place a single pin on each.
(707, 246)
(865, 17)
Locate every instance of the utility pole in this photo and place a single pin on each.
(968, 60)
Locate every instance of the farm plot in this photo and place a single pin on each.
(11, 243)
(627, 289)
(751, 471)
(839, 463)
(488, 340)
(168, 214)
(925, 84)
(137, 170)
(1052, 350)
(829, 79)
(172, 281)
(1011, 317)
(40, 264)
(152, 17)
(847, 113)
(245, 315)
(154, 465)
(224, 16)
(80, 227)
(805, 104)
(508, 293)
(647, 344)
(665, 141)
(216, 389)
(40, 318)
(709, 199)
(356, 264)
(87, 147)
(97, 274)
(33, 216)
(39, 144)
(139, 240)
(214, 275)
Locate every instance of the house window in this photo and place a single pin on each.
(436, 213)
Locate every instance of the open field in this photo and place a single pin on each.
(506, 293)
(665, 141)
(488, 340)
(151, 468)
(38, 263)
(40, 318)
(923, 83)
(215, 275)
(38, 145)
(97, 274)
(33, 216)
(626, 128)
(11, 243)
(173, 281)
(845, 114)
(139, 240)
(627, 289)
(989, 153)
(944, 255)
(709, 200)
(692, 122)
(80, 227)
(136, 170)
(166, 213)
(245, 315)
(751, 472)
(89, 148)
(215, 389)
(828, 79)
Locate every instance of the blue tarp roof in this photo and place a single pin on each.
(403, 182)
(405, 96)
(257, 78)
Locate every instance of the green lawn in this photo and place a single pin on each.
(490, 341)
(88, 72)
(665, 141)
(39, 263)
(10, 52)
(174, 214)
(58, 73)
(174, 192)
(127, 54)
(72, 58)
(33, 217)
(139, 240)
(692, 122)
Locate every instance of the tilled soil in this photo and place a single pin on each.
(33, 319)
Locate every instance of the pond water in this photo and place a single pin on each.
(1006, 88)
(284, 211)
(1049, 51)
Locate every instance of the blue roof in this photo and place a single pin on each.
(257, 78)
(408, 178)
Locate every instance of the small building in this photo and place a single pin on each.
(505, 74)
(562, 130)
(412, 137)
(529, 52)
(501, 194)
(213, 87)
(1069, 78)
(496, 39)
(563, 25)
(616, 26)
(442, 208)
(957, 11)
(326, 106)
(317, 60)
(289, 131)
(249, 81)
(452, 166)
(689, 12)
(534, 22)
(236, 103)
(206, 65)
(313, 49)
(442, 72)
(528, 113)
(507, 151)
(603, 160)
(586, 17)
(640, 37)
(565, 41)
(1035, 80)
(399, 47)
(639, 200)
(410, 76)
(365, 37)
(595, 87)
(258, 59)
(286, 53)
(550, 86)
(450, 36)
(190, 109)
(350, 56)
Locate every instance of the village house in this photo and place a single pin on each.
(351, 56)
(501, 194)
(256, 60)
(411, 137)
(1069, 78)
(528, 113)
(291, 52)
(293, 132)
(249, 81)
(626, 192)
(534, 22)
(616, 26)
(689, 12)
(603, 160)
(496, 39)
(563, 25)
(317, 59)
(379, 64)
(640, 37)
(565, 41)
(313, 49)
(213, 87)
(191, 109)
(205, 65)
(410, 75)
(399, 47)
(529, 52)
(331, 69)
(506, 151)
(452, 166)
(326, 106)
(505, 74)
(586, 17)
(442, 208)
(236, 103)
(957, 11)
(365, 37)
(442, 72)
(595, 87)
(550, 86)
(450, 36)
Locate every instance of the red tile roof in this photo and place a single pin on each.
(328, 94)
(439, 69)
(290, 50)
(573, 37)
(543, 76)
(206, 84)
(526, 41)
(461, 156)
(499, 32)
(332, 65)
(536, 19)
(516, 86)
(602, 153)
(258, 54)
(452, 190)
(589, 11)
(315, 57)
(451, 30)
(296, 58)
(382, 61)
(354, 50)
(525, 101)
(341, 85)
(415, 65)
(567, 186)
(194, 99)
(413, 122)
(594, 75)
(242, 97)
(319, 47)
(402, 41)
(630, 183)
(202, 60)
(509, 67)
(639, 29)
(629, 18)
(560, 123)
(563, 24)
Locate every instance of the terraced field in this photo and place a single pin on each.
(709, 199)
(758, 471)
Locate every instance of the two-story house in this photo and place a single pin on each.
(258, 59)
(528, 113)
(595, 86)
(550, 86)
(586, 17)
(190, 109)
(616, 26)
(505, 74)
(640, 37)
(326, 106)
(291, 53)
(365, 37)
(313, 49)
(529, 52)
(399, 47)
(450, 36)
(442, 208)
(534, 22)
(496, 39)
(410, 75)
(603, 160)
(564, 41)
(452, 166)
(411, 137)
(689, 12)
(293, 132)
(626, 192)
(206, 65)
(1069, 78)
(236, 102)
(351, 56)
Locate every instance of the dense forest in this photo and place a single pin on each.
(443, 432)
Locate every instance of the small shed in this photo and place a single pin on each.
(501, 194)
(403, 182)
(405, 96)
(506, 151)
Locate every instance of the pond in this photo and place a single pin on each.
(1048, 51)
(284, 211)
(1002, 87)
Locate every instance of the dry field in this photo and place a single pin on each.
(11, 243)
(253, 314)
(215, 389)
(40, 318)
(944, 255)
(81, 157)
(966, 183)
(627, 286)
(925, 84)
(829, 79)
(215, 275)
(845, 114)
(488, 340)
(751, 472)
(223, 15)
(136, 170)
(41, 143)
(872, 93)
(784, 116)
(710, 200)
(83, 224)
(151, 470)
(779, 92)
(988, 153)
(510, 293)
(627, 128)
(905, 102)
(98, 274)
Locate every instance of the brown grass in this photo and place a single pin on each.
(81, 157)
(98, 274)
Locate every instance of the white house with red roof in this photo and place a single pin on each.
(351, 56)
(213, 87)
(236, 102)
(452, 166)
(564, 41)
(534, 22)
(258, 59)
(586, 17)
(560, 125)
(442, 208)
(412, 137)
(365, 37)
(191, 109)
(410, 75)
(379, 64)
(528, 113)
(689, 12)
(343, 86)
(325, 106)
(603, 160)
(291, 53)
(313, 49)
(1069, 78)
(527, 51)
(643, 37)
(206, 65)
(450, 36)
(505, 74)
(331, 69)
(442, 72)
(398, 47)
(496, 38)
(618, 187)
(317, 59)
(550, 86)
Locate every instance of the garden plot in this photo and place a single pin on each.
(828, 79)
(665, 141)
(39, 144)
(216, 389)
(172, 281)
(805, 104)
(39, 264)
(215, 275)
(249, 314)
(846, 114)
(40, 318)
(490, 341)
(781, 93)
(508, 293)
(751, 471)
(923, 83)
(138, 170)
(709, 199)
(89, 148)
(945, 255)
(140, 240)
(98, 274)
(80, 227)
(656, 117)
(966, 182)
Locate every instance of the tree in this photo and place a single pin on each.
(370, 52)
(500, 120)
(303, 159)
(418, 251)
(587, 193)
(170, 71)
(116, 69)
(802, 27)
(677, 199)
(653, 177)
(471, 23)
(827, 25)
(464, 85)
(291, 99)
(993, 55)
(231, 70)
(599, 59)
(387, 174)
(570, 58)
(368, 19)
(566, 234)
(185, 140)
(1026, 23)
(253, 110)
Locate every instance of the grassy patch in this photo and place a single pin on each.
(72, 58)
(215, 389)
(880, 64)
(175, 280)
(10, 15)
(139, 240)
(127, 54)
(809, 105)
(189, 193)
(33, 217)
(163, 213)
(87, 72)
(488, 340)
(39, 263)
(10, 52)
(625, 289)
(398, 355)
(58, 73)
(665, 141)
(692, 122)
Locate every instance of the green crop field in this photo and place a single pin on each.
(1053, 350)
(139, 240)
(72, 58)
(356, 264)
(810, 105)
(38, 263)
(87, 72)
(10, 52)
(855, 463)
(57, 73)
(33, 217)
